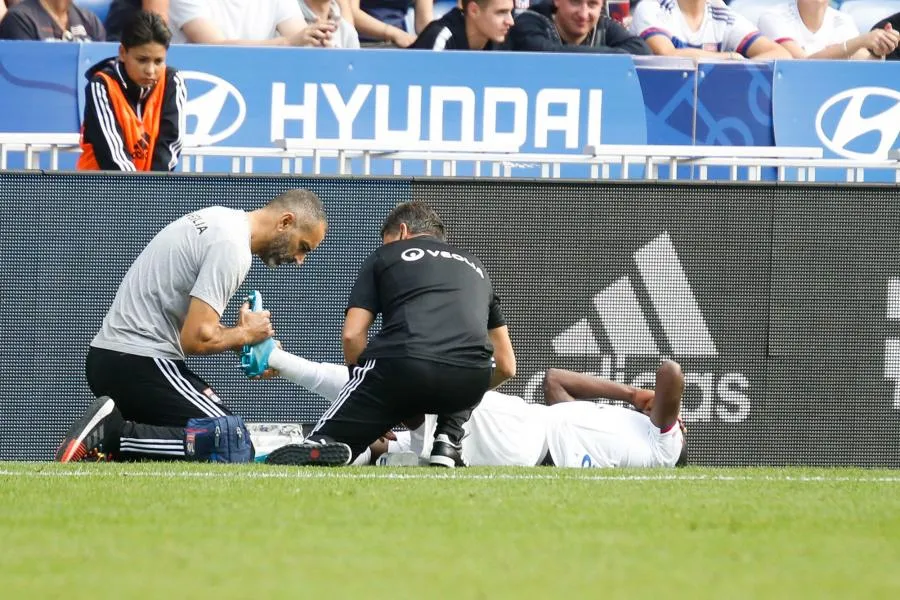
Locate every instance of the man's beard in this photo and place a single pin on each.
(278, 252)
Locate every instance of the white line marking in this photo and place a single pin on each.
(573, 475)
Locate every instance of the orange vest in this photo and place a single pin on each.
(140, 134)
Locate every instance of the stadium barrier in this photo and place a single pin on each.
(251, 97)
(781, 301)
(605, 161)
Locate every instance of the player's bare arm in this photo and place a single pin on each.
(504, 356)
(356, 333)
(662, 405)
(561, 385)
(203, 333)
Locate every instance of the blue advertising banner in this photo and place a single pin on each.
(734, 108)
(734, 104)
(852, 110)
(669, 103)
(544, 103)
(37, 87)
(251, 97)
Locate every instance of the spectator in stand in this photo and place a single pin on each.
(121, 11)
(51, 21)
(701, 29)
(383, 22)
(134, 104)
(572, 26)
(812, 29)
(892, 22)
(245, 23)
(314, 11)
(478, 25)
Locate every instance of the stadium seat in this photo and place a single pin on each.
(752, 9)
(868, 12)
(98, 7)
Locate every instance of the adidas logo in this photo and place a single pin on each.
(652, 313)
(684, 331)
(892, 346)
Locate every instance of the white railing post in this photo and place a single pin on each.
(792, 163)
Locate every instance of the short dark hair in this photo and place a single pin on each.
(481, 4)
(419, 218)
(304, 204)
(143, 28)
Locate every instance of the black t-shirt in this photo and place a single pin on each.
(436, 302)
(447, 33)
(29, 20)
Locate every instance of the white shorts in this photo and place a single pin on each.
(503, 431)
(586, 434)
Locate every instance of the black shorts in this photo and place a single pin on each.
(153, 391)
(384, 392)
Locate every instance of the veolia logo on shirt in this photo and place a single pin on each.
(414, 254)
(215, 108)
(861, 123)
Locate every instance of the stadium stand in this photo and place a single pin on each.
(752, 9)
(98, 7)
(868, 12)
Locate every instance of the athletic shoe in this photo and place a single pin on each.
(255, 358)
(85, 439)
(445, 453)
(311, 454)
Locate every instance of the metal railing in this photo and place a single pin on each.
(481, 159)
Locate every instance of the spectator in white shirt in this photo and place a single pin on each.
(345, 35)
(245, 23)
(700, 29)
(812, 29)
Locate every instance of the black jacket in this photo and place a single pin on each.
(535, 31)
(447, 33)
(103, 132)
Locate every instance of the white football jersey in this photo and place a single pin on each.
(722, 29)
(502, 431)
(783, 23)
(586, 434)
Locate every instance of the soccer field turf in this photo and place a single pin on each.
(225, 531)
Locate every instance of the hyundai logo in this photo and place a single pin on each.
(862, 123)
(215, 104)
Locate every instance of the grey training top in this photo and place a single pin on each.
(205, 255)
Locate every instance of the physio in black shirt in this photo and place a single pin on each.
(441, 330)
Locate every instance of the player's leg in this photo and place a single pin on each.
(669, 390)
(452, 394)
(364, 410)
(154, 397)
(325, 379)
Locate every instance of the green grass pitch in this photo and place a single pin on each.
(176, 531)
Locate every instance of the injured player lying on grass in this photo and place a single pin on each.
(505, 430)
